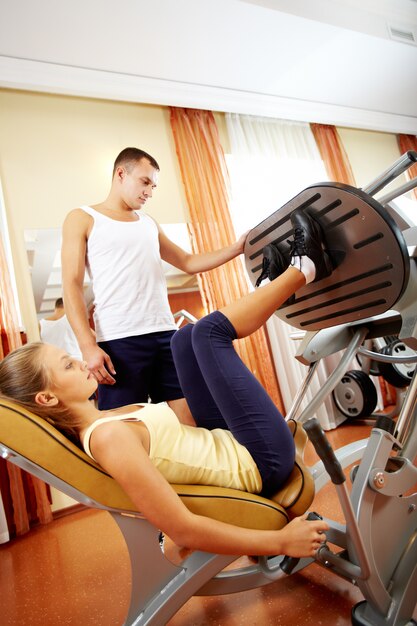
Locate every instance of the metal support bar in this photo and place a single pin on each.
(407, 420)
(354, 532)
(395, 193)
(386, 358)
(301, 392)
(336, 376)
(397, 168)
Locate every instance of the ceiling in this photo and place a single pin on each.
(346, 62)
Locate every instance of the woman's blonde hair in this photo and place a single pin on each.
(22, 375)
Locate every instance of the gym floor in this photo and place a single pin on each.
(76, 571)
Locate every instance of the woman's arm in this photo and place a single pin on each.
(125, 458)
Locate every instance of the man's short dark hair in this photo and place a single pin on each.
(59, 303)
(133, 155)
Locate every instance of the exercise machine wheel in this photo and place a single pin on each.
(355, 396)
(397, 374)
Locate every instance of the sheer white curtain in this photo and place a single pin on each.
(271, 161)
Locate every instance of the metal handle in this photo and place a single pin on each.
(324, 450)
(387, 358)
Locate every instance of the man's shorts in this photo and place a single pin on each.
(144, 370)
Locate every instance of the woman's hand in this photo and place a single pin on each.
(302, 537)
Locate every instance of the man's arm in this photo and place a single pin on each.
(194, 263)
(74, 246)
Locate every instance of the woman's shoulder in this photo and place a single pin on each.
(107, 434)
(106, 427)
(106, 424)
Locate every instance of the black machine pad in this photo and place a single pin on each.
(375, 267)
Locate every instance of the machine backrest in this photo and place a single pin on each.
(37, 447)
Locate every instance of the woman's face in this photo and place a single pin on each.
(71, 379)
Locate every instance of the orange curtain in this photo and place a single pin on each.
(333, 154)
(25, 497)
(206, 181)
(406, 143)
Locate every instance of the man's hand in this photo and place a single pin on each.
(240, 243)
(100, 365)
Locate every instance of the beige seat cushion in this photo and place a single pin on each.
(297, 493)
(40, 443)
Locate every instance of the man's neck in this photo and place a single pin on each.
(116, 210)
(115, 203)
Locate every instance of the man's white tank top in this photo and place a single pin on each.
(125, 266)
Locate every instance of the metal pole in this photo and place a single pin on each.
(397, 168)
(395, 193)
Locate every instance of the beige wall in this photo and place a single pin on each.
(57, 152)
(370, 153)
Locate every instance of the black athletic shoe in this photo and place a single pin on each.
(274, 263)
(309, 241)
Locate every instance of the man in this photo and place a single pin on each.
(122, 249)
(55, 329)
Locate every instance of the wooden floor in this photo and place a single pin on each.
(76, 571)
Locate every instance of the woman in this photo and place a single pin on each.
(241, 441)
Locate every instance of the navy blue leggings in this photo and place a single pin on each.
(223, 393)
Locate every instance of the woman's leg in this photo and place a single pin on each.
(244, 404)
(246, 316)
(202, 405)
(252, 311)
(310, 261)
(249, 412)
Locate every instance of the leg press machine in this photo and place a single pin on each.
(372, 293)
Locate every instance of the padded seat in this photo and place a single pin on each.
(69, 469)
(296, 495)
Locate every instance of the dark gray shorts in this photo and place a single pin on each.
(144, 370)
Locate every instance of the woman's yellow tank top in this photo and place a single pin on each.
(192, 456)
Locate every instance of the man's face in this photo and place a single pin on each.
(138, 183)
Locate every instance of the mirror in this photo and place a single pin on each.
(43, 247)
